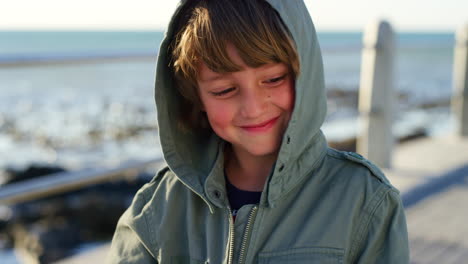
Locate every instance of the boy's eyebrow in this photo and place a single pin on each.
(213, 78)
(217, 76)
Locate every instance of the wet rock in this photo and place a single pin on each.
(415, 134)
(350, 143)
(46, 240)
(344, 145)
(15, 175)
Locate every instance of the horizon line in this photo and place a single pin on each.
(321, 30)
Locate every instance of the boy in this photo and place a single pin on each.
(250, 177)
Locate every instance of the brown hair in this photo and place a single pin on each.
(252, 26)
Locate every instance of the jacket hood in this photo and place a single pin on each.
(197, 159)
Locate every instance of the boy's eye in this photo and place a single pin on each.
(223, 92)
(275, 80)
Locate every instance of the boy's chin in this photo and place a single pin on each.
(262, 151)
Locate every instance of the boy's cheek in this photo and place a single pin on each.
(219, 115)
(285, 98)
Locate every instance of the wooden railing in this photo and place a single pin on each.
(56, 183)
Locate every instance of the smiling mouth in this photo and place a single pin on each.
(262, 126)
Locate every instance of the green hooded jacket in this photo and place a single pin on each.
(318, 205)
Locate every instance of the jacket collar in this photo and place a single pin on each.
(284, 178)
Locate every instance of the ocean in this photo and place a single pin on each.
(98, 112)
(64, 103)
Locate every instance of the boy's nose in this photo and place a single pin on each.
(253, 104)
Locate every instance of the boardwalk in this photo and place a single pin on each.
(432, 175)
(438, 227)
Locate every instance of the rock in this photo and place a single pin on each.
(345, 145)
(15, 175)
(47, 240)
(350, 144)
(417, 133)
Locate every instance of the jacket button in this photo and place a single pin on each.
(288, 139)
(216, 194)
(281, 168)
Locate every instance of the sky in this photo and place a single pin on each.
(328, 15)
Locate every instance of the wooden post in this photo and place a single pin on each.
(460, 81)
(376, 94)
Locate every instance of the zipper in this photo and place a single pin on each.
(231, 237)
(247, 235)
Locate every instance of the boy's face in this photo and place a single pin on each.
(250, 108)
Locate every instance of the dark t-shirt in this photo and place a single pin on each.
(238, 198)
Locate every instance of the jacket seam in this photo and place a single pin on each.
(152, 239)
(160, 174)
(365, 221)
(156, 179)
(146, 223)
(333, 153)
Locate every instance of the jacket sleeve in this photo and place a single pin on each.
(133, 238)
(126, 246)
(384, 238)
